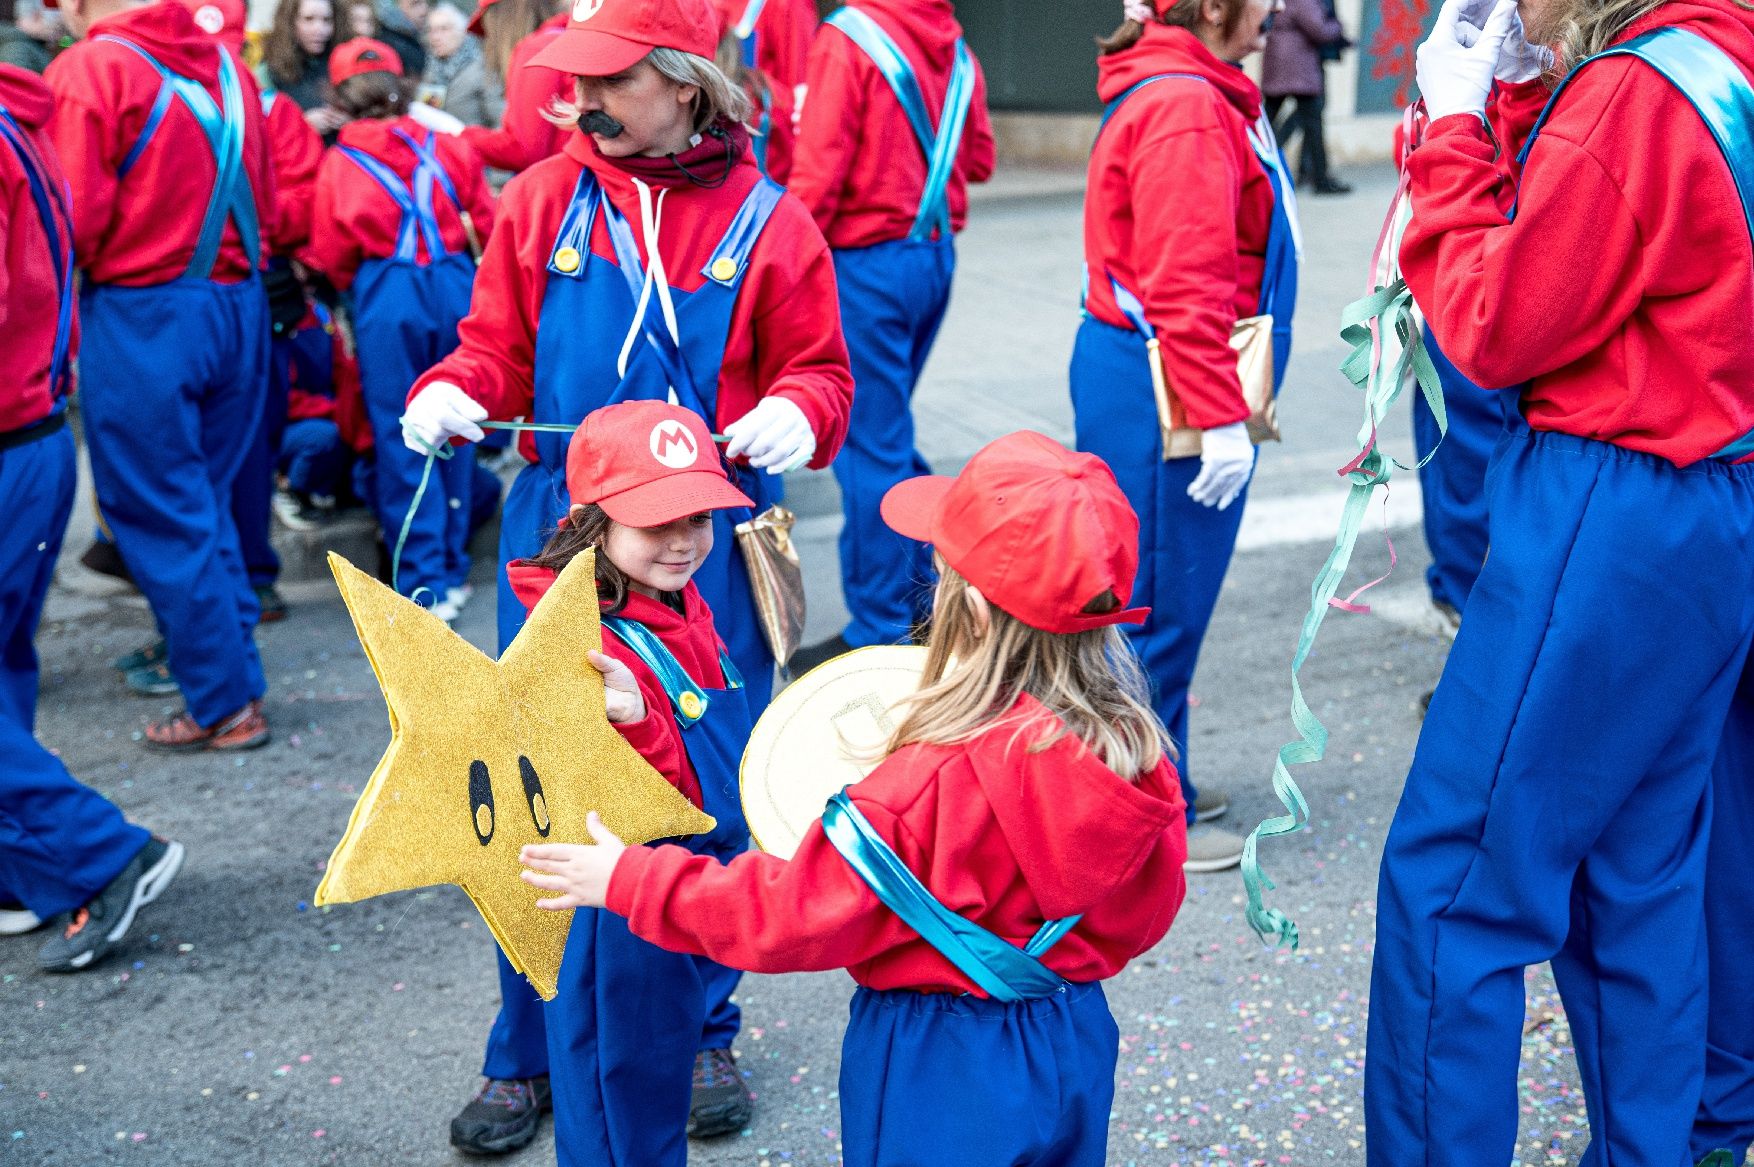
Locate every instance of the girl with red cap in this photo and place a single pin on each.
(645, 479)
(1190, 223)
(1020, 843)
(651, 260)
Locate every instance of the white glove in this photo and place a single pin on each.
(435, 119)
(438, 413)
(1227, 460)
(1518, 60)
(1455, 65)
(775, 434)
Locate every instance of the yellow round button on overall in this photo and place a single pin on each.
(567, 259)
(724, 268)
(692, 705)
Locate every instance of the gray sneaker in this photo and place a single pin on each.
(1210, 803)
(85, 934)
(1212, 849)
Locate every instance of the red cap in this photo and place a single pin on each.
(607, 36)
(362, 55)
(223, 20)
(1041, 531)
(648, 463)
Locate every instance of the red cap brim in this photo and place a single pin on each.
(672, 497)
(909, 507)
(582, 52)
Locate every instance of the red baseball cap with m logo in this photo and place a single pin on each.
(647, 463)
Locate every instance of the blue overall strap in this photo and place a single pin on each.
(744, 31)
(1004, 971)
(572, 243)
(1131, 308)
(939, 145)
(407, 250)
(55, 208)
(429, 171)
(687, 699)
(1114, 106)
(763, 127)
(1715, 86)
(267, 93)
(223, 127)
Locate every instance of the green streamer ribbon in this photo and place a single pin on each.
(1389, 309)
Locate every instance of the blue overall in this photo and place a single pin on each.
(60, 841)
(893, 296)
(627, 1020)
(1184, 547)
(1454, 483)
(586, 312)
(1541, 821)
(406, 307)
(172, 390)
(1045, 1049)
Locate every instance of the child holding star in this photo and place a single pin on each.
(1021, 842)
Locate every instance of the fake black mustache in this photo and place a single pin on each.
(598, 122)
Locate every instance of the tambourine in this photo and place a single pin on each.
(823, 732)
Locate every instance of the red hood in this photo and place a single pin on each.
(1164, 49)
(1729, 27)
(926, 30)
(1064, 803)
(168, 31)
(374, 137)
(530, 583)
(25, 95)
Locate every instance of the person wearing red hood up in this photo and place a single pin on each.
(66, 852)
(1021, 841)
(649, 260)
(772, 134)
(162, 134)
(1607, 283)
(1190, 224)
(774, 36)
(893, 128)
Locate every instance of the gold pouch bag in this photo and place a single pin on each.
(1252, 341)
(776, 578)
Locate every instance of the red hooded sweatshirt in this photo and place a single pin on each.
(1178, 209)
(362, 220)
(1001, 836)
(142, 229)
(690, 637)
(296, 150)
(1621, 290)
(785, 336)
(525, 137)
(858, 166)
(782, 37)
(29, 303)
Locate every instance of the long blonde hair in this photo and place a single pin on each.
(1090, 681)
(1593, 25)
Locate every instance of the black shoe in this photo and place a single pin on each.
(151, 681)
(89, 932)
(269, 600)
(502, 1117)
(104, 559)
(821, 652)
(722, 1103)
(152, 654)
(1332, 186)
(1425, 703)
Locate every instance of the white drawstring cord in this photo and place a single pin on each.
(651, 215)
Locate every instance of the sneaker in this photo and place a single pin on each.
(16, 919)
(155, 653)
(821, 652)
(104, 559)
(1332, 186)
(722, 1102)
(445, 610)
(503, 1116)
(458, 596)
(273, 607)
(1449, 621)
(1719, 1158)
(244, 730)
(303, 512)
(1210, 803)
(1211, 849)
(151, 681)
(89, 932)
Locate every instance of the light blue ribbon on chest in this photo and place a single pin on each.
(688, 700)
(414, 197)
(1003, 971)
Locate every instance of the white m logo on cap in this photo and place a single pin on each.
(583, 10)
(210, 19)
(673, 445)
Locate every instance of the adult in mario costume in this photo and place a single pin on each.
(162, 133)
(648, 260)
(1540, 822)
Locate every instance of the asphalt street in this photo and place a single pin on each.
(240, 1025)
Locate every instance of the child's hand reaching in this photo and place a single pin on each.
(620, 689)
(579, 873)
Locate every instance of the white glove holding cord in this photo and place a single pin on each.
(438, 413)
(435, 119)
(1518, 60)
(1457, 62)
(1227, 461)
(775, 435)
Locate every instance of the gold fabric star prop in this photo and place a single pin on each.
(486, 756)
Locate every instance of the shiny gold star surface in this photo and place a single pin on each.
(486, 756)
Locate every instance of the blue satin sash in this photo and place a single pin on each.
(413, 199)
(55, 208)
(687, 700)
